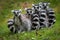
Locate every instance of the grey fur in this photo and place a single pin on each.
(22, 22)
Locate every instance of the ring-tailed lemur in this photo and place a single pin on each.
(36, 15)
(34, 18)
(41, 13)
(29, 12)
(16, 22)
(49, 13)
(41, 9)
(21, 22)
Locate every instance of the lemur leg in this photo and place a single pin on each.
(29, 27)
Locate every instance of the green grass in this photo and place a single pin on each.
(6, 6)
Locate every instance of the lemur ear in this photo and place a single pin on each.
(20, 10)
(12, 10)
(48, 3)
(40, 3)
(33, 5)
(32, 8)
(25, 9)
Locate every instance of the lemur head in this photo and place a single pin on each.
(17, 12)
(36, 6)
(44, 5)
(29, 11)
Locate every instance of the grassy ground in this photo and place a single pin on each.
(43, 34)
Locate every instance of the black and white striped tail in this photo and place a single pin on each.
(51, 17)
(35, 22)
(43, 18)
(11, 26)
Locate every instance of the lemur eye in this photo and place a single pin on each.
(37, 7)
(14, 13)
(30, 11)
(42, 4)
(27, 12)
(34, 7)
(18, 12)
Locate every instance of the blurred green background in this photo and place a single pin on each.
(43, 34)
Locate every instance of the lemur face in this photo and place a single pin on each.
(36, 6)
(29, 11)
(44, 4)
(16, 12)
